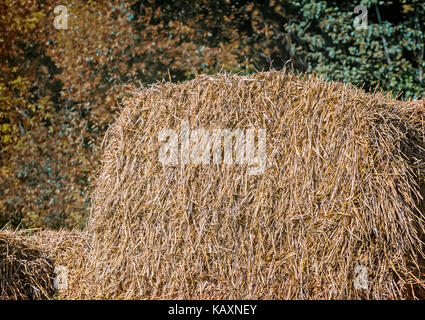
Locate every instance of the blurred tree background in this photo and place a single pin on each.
(61, 88)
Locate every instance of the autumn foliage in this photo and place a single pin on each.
(59, 90)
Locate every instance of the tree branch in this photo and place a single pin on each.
(382, 37)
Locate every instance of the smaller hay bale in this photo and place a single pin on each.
(42, 264)
(26, 271)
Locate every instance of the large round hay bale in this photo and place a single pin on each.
(334, 214)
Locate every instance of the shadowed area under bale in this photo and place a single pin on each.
(340, 193)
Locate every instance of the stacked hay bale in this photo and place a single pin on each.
(335, 215)
(32, 262)
(26, 270)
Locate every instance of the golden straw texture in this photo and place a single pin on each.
(342, 188)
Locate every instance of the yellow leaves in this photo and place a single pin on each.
(19, 83)
(21, 18)
(5, 171)
(255, 12)
(17, 114)
(32, 107)
(31, 219)
(75, 220)
(407, 8)
(6, 139)
(5, 128)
